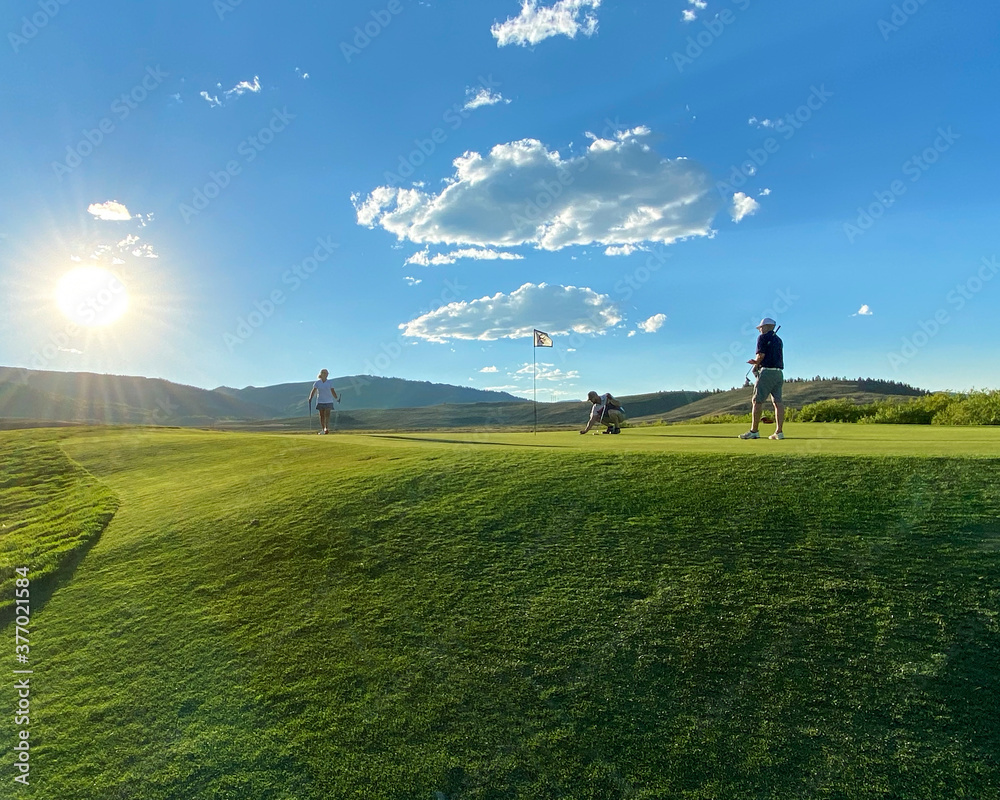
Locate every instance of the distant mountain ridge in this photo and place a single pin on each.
(131, 400)
(367, 391)
(369, 402)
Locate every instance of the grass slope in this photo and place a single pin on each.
(51, 511)
(518, 616)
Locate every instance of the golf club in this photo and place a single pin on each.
(310, 415)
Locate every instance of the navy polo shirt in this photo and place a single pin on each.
(770, 345)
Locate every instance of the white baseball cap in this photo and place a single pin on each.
(766, 321)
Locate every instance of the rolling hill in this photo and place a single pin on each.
(369, 403)
(367, 391)
(795, 393)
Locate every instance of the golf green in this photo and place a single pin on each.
(668, 613)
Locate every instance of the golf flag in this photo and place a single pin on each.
(542, 339)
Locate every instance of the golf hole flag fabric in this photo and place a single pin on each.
(542, 339)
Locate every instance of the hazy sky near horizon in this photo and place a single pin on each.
(240, 193)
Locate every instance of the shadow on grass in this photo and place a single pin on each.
(461, 441)
(45, 585)
(969, 684)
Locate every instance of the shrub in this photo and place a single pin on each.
(917, 411)
(975, 408)
(838, 410)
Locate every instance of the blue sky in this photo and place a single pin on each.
(245, 192)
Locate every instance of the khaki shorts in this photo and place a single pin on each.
(769, 382)
(613, 417)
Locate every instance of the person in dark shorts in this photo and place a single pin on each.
(768, 366)
(325, 395)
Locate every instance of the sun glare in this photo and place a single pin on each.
(91, 296)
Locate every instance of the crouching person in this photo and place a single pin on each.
(606, 411)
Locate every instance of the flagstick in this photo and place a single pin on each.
(534, 391)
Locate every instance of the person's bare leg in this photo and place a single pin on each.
(758, 409)
(779, 416)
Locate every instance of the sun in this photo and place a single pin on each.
(91, 296)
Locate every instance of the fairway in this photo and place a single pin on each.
(804, 439)
(668, 613)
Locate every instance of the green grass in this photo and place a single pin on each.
(51, 510)
(669, 613)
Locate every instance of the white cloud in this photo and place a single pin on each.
(243, 87)
(411, 281)
(424, 259)
(624, 250)
(534, 24)
(653, 324)
(618, 192)
(130, 244)
(488, 369)
(111, 211)
(509, 387)
(238, 90)
(483, 97)
(301, 74)
(743, 206)
(864, 311)
(546, 372)
(763, 123)
(555, 309)
(689, 14)
(144, 251)
(631, 334)
(764, 193)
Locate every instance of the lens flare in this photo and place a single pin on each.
(91, 296)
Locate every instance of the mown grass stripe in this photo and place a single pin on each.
(406, 618)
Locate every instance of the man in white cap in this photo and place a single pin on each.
(768, 365)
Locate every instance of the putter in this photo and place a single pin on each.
(310, 415)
